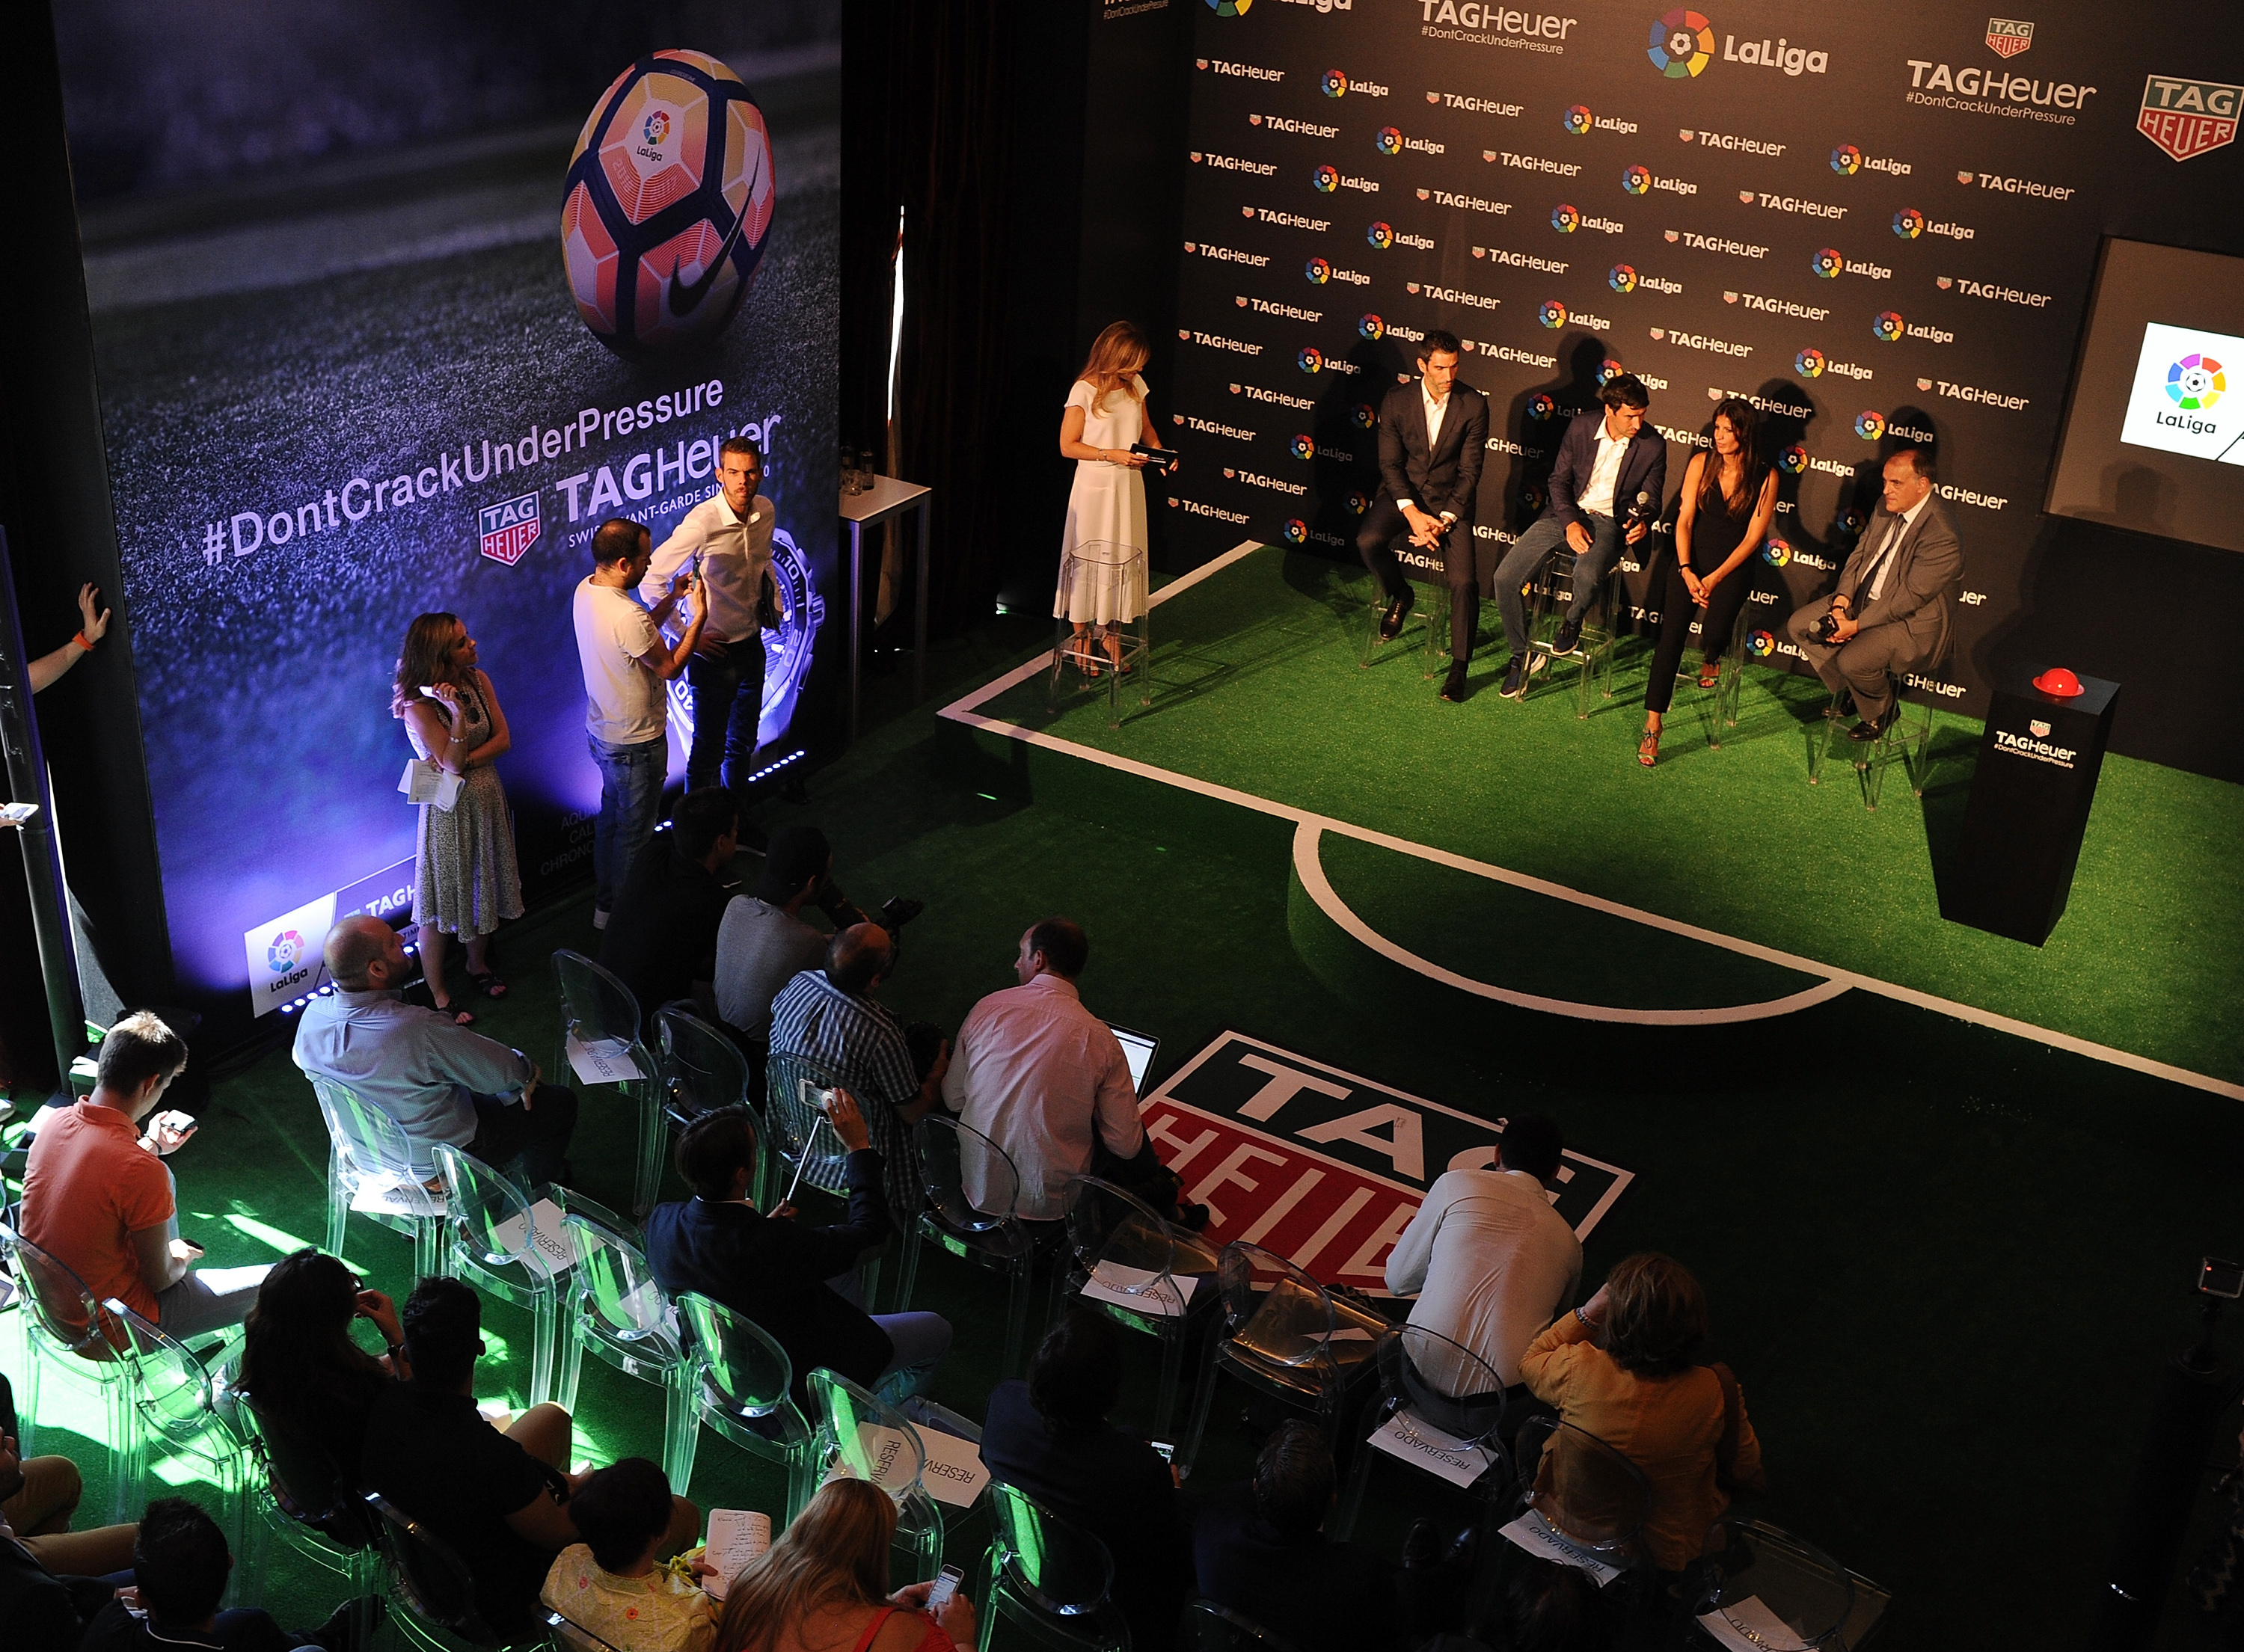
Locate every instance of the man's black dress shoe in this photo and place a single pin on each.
(1453, 685)
(1867, 729)
(1844, 705)
(1391, 622)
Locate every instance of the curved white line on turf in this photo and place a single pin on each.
(1309, 864)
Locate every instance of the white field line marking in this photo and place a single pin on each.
(963, 710)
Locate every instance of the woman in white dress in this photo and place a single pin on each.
(1106, 415)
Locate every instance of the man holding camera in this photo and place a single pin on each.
(1605, 490)
(1891, 610)
(1433, 436)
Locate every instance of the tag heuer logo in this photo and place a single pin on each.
(2188, 118)
(2040, 729)
(508, 528)
(2007, 36)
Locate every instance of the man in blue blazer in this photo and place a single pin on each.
(1607, 488)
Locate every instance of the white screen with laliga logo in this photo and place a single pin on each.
(2155, 432)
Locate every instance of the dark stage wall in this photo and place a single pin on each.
(1878, 236)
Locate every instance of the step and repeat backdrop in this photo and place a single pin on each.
(1879, 236)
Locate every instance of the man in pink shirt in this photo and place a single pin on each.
(98, 1198)
(1046, 1080)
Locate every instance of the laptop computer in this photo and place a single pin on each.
(1139, 1048)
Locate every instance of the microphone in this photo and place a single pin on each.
(1641, 510)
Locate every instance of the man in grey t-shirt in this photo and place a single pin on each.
(763, 942)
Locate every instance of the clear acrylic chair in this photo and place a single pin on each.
(1206, 1627)
(1051, 1578)
(743, 1389)
(185, 1414)
(1434, 1390)
(1548, 593)
(1160, 1275)
(489, 1242)
(1103, 563)
(1590, 1495)
(973, 1195)
(571, 1636)
(700, 1068)
(861, 1435)
(1905, 743)
(619, 1315)
(302, 1496)
(64, 1337)
(797, 1091)
(1429, 615)
(1286, 1336)
(1755, 1577)
(599, 1012)
(430, 1591)
(372, 1163)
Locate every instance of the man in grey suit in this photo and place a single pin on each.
(1893, 606)
(1433, 436)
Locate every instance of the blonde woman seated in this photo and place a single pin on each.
(1106, 415)
(611, 1584)
(823, 1587)
(1684, 1425)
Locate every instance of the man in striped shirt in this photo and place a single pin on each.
(828, 1017)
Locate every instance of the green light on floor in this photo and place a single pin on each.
(990, 796)
(179, 1472)
(279, 1238)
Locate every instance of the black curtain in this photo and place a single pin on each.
(927, 131)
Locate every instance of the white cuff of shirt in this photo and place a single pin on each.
(1404, 504)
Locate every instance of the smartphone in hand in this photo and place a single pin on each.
(946, 1585)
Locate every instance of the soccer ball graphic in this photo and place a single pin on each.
(2195, 383)
(667, 204)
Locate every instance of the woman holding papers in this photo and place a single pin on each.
(824, 1585)
(464, 882)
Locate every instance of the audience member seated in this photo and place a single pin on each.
(440, 1081)
(1261, 1550)
(180, 1564)
(828, 1016)
(661, 939)
(1489, 1261)
(500, 1502)
(823, 1587)
(782, 1274)
(98, 1198)
(1046, 1080)
(611, 1584)
(313, 1387)
(49, 1575)
(1049, 1436)
(1684, 1425)
(1552, 1607)
(763, 943)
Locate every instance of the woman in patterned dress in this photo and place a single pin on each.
(465, 882)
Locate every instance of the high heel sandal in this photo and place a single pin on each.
(1647, 749)
(1710, 673)
(1083, 657)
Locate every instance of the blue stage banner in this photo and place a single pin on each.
(392, 310)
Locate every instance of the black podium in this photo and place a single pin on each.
(2030, 801)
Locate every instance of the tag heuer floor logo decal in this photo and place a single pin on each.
(2188, 118)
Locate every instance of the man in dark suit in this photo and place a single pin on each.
(1892, 608)
(1606, 489)
(1433, 436)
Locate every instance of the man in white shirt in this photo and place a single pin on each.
(1607, 488)
(626, 660)
(1492, 1264)
(1890, 612)
(728, 538)
(1042, 1077)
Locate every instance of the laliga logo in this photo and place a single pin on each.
(1621, 279)
(1303, 448)
(1636, 180)
(1808, 364)
(1578, 120)
(1356, 504)
(1229, 7)
(1610, 369)
(1380, 236)
(657, 127)
(1887, 324)
(1370, 327)
(1553, 314)
(1297, 532)
(1541, 405)
(1388, 140)
(1908, 223)
(1564, 219)
(1775, 553)
(2194, 383)
(1317, 271)
(1309, 360)
(1826, 263)
(1325, 179)
(285, 951)
(1845, 160)
(1682, 45)
(1793, 459)
(1760, 644)
(1869, 425)
(1336, 84)
(1362, 416)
